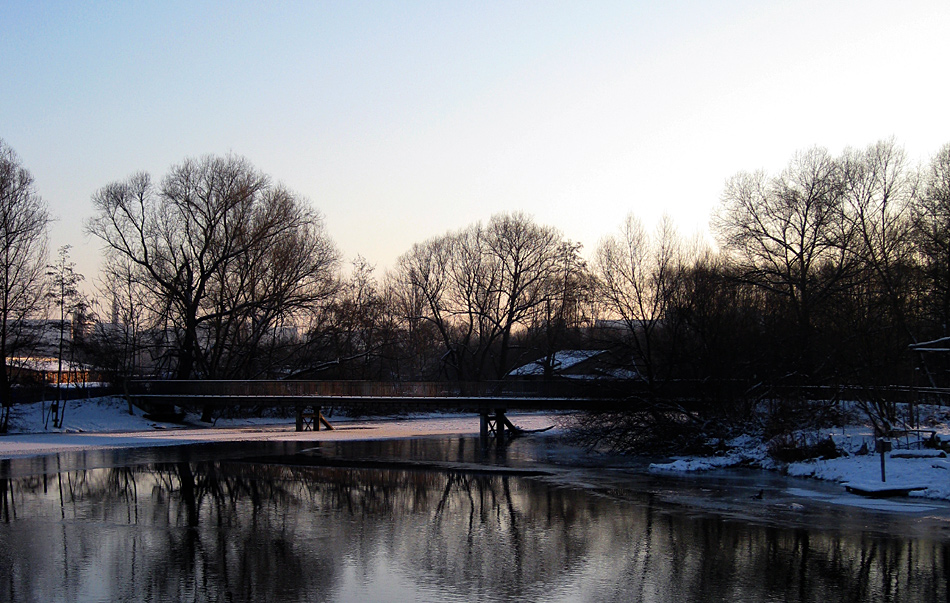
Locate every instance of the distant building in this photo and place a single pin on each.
(40, 370)
(577, 364)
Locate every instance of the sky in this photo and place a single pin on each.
(400, 121)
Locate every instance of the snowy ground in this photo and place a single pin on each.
(105, 423)
(925, 470)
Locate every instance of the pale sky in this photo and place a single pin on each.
(400, 121)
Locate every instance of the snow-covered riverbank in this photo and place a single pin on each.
(927, 471)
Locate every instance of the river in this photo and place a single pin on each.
(446, 519)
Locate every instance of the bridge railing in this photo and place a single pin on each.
(370, 389)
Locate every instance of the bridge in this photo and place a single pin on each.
(490, 399)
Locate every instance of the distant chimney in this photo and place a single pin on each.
(115, 309)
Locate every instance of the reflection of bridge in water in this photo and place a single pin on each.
(491, 399)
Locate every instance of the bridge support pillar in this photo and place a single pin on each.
(311, 421)
(495, 424)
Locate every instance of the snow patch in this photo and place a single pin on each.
(873, 504)
(858, 464)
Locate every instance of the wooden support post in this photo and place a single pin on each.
(514, 429)
(311, 420)
(884, 446)
(500, 425)
(494, 423)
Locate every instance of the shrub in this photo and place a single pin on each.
(789, 448)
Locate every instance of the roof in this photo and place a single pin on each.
(562, 361)
(48, 365)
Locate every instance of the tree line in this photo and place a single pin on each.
(823, 273)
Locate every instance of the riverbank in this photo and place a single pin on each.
(924, 471)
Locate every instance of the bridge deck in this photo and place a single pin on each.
(461, 402)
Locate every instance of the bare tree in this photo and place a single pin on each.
(65, 295)
(787, 235)
(721, 317)
(527, 254)
(878, 192)
(931, 212)
(24, 219)
(570, 306)
(225, 256)
(270, 288)
(357, 337)
(478, 286)
(418, 349)
(637, 275)
(119, 341)
(878, 323)
(420, 285)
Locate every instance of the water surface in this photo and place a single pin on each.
(443, 520)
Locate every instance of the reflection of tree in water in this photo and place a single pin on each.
(182, 531)
(716, 559)
(7, 508)
(239, 535)
(219, 530)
